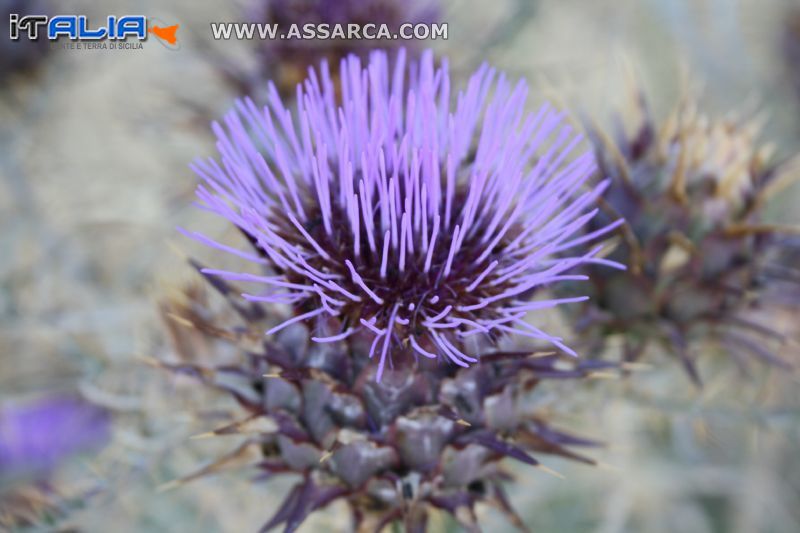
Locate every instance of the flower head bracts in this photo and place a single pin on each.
(391, 214)
(395, 451)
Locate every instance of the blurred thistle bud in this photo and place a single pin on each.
(21, 55)
(692, 191)
(405, 239)
(286, 61)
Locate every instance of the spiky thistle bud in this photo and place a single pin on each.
(393, 216)
(692, 191)
(406, 237)
(393, 450)
(286, 61)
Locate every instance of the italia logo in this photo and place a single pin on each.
(78, 28)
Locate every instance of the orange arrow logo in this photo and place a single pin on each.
(166, 33)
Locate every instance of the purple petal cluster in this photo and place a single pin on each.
(36, 437)
(377, 207)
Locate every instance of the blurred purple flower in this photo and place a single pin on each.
(38, 436)
(395, 216)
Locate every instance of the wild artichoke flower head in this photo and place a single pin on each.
(392, 215)
(692, 191)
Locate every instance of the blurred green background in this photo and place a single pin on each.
(94, 148)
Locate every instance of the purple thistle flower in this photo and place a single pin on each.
(392, 215)
(37, 437)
